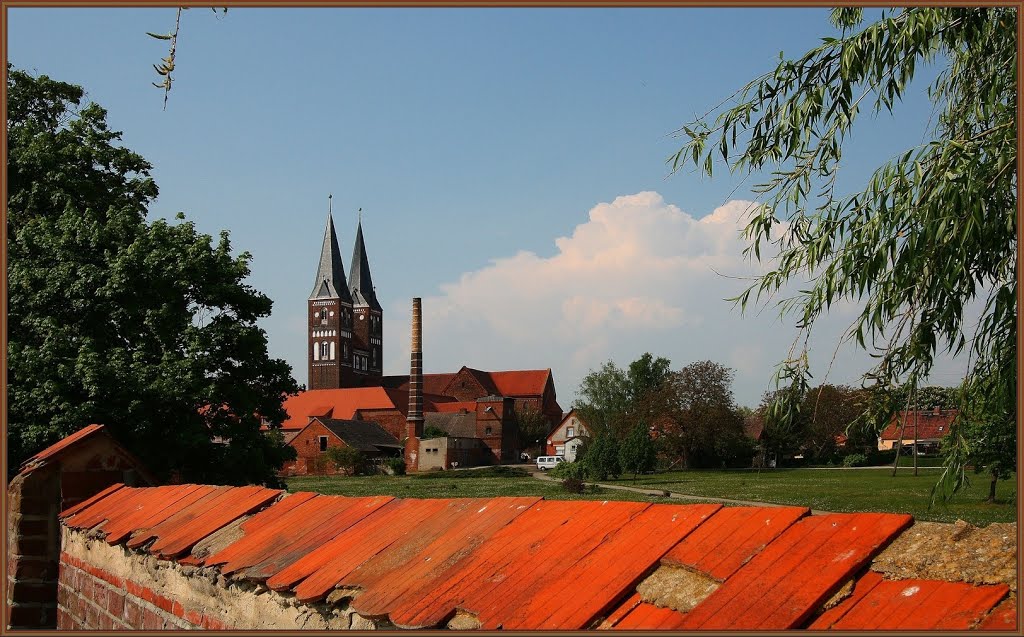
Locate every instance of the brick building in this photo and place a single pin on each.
(321, 433)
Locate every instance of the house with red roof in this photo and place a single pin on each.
(927, 426)
(566, 439)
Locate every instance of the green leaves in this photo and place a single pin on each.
(112, 319)
(931, 234)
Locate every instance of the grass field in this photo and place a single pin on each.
(480, 483)
(822, 489)
(844, 490)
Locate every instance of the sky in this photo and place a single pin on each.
(510, 164)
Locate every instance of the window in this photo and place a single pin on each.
(324, 350)
(570, 432)
(488, 431)
(332, 350)
(316, 351)
(323, 317)
(323, 442)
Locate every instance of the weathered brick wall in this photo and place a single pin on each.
(33, 501)
(105, 587)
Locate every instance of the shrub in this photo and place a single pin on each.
(394, 466)
(855, 460)
(636, 454)
(573, 485)
(574, 470)
(347, 459)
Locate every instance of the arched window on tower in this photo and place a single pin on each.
(332, 350)
(316, 351)
(323, 317)
(323, 350)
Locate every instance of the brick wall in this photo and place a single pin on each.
(33, 502)
(105, 587)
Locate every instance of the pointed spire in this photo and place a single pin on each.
(359, 281)
(330, 275)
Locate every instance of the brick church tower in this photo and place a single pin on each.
(345, 318)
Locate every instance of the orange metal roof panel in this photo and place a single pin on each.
(602, 577)
(88, 502)
(1002, 617)
(538, 556)
(151, 511)
(328, 517)
(861, 587)
(781, 586)
(314, 575)
(727, 541)
(257, 529)
(442, 558)
(650, 617)
(921, 605)
(212, 511)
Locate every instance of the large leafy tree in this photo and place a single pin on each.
(146, 327)
(697, 421)
(932, 232)
(612, 398)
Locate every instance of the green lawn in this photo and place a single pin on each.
(821, 489)
(481, 483)
(845, 490)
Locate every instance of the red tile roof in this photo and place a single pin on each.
(930, 426)
(340, 404)
(527, 382)
(527, 563)
(455, 407)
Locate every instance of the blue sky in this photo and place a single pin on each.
(486, 147)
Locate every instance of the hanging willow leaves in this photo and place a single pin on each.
(166, 65)
(932, 232)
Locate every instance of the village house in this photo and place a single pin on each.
(566, 439)
(927, 426)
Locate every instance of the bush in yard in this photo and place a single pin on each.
(347, 459)
(575, 470)
(573, 485)
(855, 460)
(394, 466)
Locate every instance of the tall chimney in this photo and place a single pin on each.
(414, 421)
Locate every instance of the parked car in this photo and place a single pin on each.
(548, 462)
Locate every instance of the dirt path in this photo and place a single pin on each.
(540, 475)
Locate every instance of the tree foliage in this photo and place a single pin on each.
(933, 230)
(699, 423)
(532, 425)
(637, 452)
(612, 398)
(601, 460)
(146, 327)
(347, 459)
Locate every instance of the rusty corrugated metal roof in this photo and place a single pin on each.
(528, 563)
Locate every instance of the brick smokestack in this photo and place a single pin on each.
(414, 421)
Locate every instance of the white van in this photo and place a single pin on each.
(547, 462)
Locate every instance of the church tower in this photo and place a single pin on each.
(330, 318)
(367, 328)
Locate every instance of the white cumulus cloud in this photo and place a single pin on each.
(640, 274)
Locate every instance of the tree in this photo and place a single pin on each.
(601, 460)
(433, 431)
(603, 398)
(646, 374)
(700, 423)
(612, 398)
(532, 425)
(933, 231)
(831, 411)
(148, 328)
(637, 454)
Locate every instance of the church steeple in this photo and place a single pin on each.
(359, 280)
(330, 275)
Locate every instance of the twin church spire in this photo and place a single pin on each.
(345, 317)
